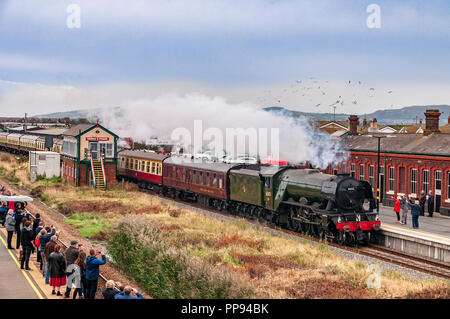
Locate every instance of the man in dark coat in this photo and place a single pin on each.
(19, 219)
(430, 204)
(27, 239)
(415, 212)
(422, 201)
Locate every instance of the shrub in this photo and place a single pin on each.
(141, 249)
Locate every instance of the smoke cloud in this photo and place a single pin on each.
(150, 118)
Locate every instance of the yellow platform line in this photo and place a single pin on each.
(21, 270)
(410, 231)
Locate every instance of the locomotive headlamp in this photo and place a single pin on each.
(377, 218)
(339, 219)
(346, 228)
(376, 227)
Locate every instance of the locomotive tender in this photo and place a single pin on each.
(303, 200)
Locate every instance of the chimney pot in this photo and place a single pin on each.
(431, 121)
(354, 122)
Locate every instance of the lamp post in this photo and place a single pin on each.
(378, 171)
(379, 137)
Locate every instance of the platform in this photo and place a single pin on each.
(431, 226)
(430, 241)
(20, 284)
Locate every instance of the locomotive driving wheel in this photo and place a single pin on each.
(293, 224)
(340, 238)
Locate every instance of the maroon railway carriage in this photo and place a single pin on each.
(203, 182)
(145, 168)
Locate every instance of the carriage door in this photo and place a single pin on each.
(93, 147)
(437, 192)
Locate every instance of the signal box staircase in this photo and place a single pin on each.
(98, 172)
(99, 178)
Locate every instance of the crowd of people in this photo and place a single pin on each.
(77, 268)
(417, 206)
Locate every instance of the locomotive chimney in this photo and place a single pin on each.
(431, 122)
(353, 123)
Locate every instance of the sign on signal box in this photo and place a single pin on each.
(97, 139)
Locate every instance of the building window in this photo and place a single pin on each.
(352, 170)
(361, 172)
(448, 185)
(438, 181)
(371, 175)
(391, 178)
(426, 180)
(344, 168)
(413, 180)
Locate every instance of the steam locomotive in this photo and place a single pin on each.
(337, 208)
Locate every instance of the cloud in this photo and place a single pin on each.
(39, 63)
(224, 17)
(17, 98)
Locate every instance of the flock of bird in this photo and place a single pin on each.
(312, 88)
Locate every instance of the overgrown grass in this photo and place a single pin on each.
(141, 249)
(49, 181)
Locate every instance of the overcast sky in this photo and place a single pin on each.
(253, 51)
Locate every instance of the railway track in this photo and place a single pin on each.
(373, 251)
(102, 279)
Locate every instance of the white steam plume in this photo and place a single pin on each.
(143, 119)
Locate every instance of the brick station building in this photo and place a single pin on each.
(409, 163)
(88, 151)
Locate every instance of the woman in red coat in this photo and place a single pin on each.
(397, 208)
(57, 267)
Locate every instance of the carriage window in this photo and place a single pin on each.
(220, 182)
(159, 169)
(127, 163)
(201, 178)
(215, 180)
(176, 173)
(207, 179)
(173, 172)
(148, 167)
(153, 168)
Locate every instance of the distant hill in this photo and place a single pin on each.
(405, 115)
